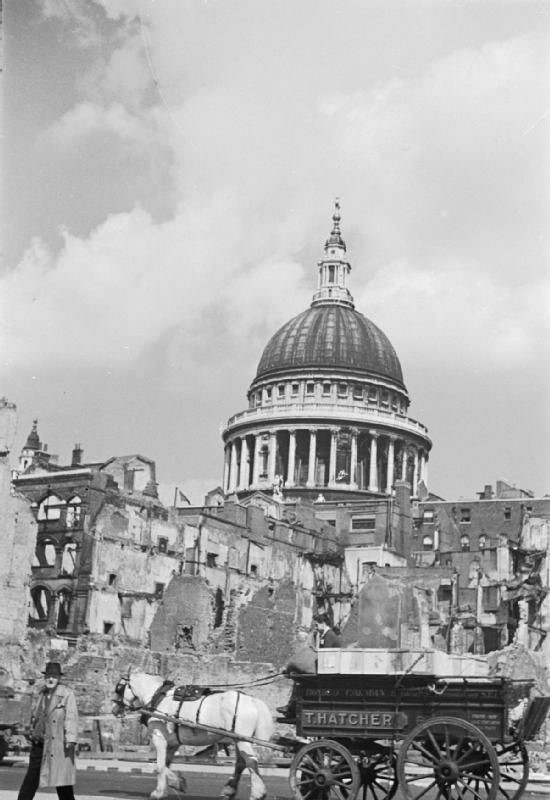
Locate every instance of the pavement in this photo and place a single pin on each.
(539, 783)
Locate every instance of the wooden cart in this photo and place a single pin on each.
(429, 737)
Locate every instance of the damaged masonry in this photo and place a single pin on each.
(323, 499)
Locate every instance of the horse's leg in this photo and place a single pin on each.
(174, 780)
(258, 789)
(231, 787)
(161, 745)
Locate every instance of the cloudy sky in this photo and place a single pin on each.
(169, 174)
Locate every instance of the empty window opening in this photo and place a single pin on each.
(112, 578)
(295, 388)
(159, 591)
(219, 607)
(68, 559)
(358, 392)
(74, 512)
(184, 637)
(45, 554)
(63, 609)
(253, 569)
(482, 542)
(310, 388)
(108, 627)
(465, 543)
(50, 508)
(342, 389)
(368, 569)
(326, 389)
(211, 559)
(281, 390)
(465, 515)
(41, 602)
(162, 544)
(507, 512)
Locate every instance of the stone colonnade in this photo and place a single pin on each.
(324, 457)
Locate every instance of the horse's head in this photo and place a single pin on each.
(125, 697)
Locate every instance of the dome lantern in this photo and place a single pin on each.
(334, 270)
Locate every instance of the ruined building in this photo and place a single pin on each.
(110, 559)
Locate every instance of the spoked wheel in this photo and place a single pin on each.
(377, 773)
(448, 758)
(324, 770)
(513, 763)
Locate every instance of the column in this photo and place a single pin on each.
(332, 460)
(291, 458)
(415, 475)
(226, 460)
(256, 470)
(312, 457)
(404, 462)
(391, 457)
(244, 471)
(272, 454)
(353, 459)
(234, 467)
(373, 466)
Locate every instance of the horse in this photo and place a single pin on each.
(230, 710)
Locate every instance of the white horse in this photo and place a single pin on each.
(232, 711)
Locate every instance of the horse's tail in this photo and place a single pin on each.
(265, 726)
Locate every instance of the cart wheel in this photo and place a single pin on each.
(450, 758)
(377, 773)
(324, 770)
(513, 763)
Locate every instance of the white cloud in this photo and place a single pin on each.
(460, 318)
(256, 167)
(89, 118)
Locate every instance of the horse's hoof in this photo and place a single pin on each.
(228, 792)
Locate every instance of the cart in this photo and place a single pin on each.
(14, 710)
(430, 737)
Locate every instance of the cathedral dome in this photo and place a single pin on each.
(332, 336)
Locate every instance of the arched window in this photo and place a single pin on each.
(41, 603)
(63, 609)
(465, 543)
(427, 543)
(74, 510)
(50, 508)
(482, 542)
(44, 554)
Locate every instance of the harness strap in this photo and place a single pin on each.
(201, 701)
(235, 712)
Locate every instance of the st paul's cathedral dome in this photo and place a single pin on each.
(328, 408)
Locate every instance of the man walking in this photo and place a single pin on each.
(54, 733)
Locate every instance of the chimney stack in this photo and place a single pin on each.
(77, 456)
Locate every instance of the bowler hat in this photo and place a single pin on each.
(53, 670)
